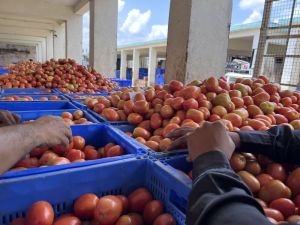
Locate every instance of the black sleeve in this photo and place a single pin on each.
(219, 197)
(280, 143)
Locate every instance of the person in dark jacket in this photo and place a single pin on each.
(218, 195)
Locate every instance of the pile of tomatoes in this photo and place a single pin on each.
(77, 151)
(76, 118)
(138, 208)
(29, 98)
(64, 74)
(275, 186)
(250, 104)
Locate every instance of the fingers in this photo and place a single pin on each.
(8, 119)
(64, 141)
(17, 118)
(179, 143)
(180, 132)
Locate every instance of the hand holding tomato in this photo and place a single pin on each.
(210, 137)
(51, 131)
(7, 118)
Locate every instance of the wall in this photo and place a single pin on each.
(10, 53)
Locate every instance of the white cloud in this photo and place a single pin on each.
(135, 21)
(254, 17)
(121, 4)
(158, 31)
(251, 4)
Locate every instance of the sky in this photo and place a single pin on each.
(141, 21)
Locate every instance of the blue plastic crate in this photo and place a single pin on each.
(84, 96)
(96, 135)
(157, 155)
(33, 115)
(179, 162)
(30, 106)
(27, 91)
(63, 187)
(35, 97)
(123, 83)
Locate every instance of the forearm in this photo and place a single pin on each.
(15, 142)
(217, 190)
(280, 143)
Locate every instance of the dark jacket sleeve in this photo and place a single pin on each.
(280, 143)
(219, 196)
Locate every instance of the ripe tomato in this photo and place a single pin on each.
(108, 210)
(91, 154)
(165, 219)
(85, 205)
(134, 118)
(293, 182)
(284, 205)
(68, 220)
(75, 154)
(273, 213)
(264, 178)
(276, 171)
(116, 150)
(237, 162)
(152, 210)
(139, 199)
(40, 213)
(78, 142)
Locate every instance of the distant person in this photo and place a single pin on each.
(218, 195)
(17, 140)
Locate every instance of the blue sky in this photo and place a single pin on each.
(148, 20)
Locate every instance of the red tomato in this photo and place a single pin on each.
(284, 205)
(273, 213)
(264, 178)
(75, 154)
(68, 220)
(152, 210)
(277, 171)
(165, 219)
(125, 203)
(28, 163)
(47, 156)
(78, 142)
(116, 150)
(108, 210)
(38, 152)
(85, 205)
(91, 154)
(293, 182)
(139, 199)
(40, 213)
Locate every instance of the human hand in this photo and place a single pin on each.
(180, 138)
(210, 137)
(51, 130)
(7, 118)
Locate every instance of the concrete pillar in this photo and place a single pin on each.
(152, 66)
(74, 37)
(103, 36)
(50, 46)
(254, 48)
(201, 48)
(123, 68)
(60, 41)
(135, 65)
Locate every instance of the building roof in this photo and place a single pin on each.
(238, 27)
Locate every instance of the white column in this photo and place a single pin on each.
(60, 41)
(254, 48)
(74, 37)
(135, 65)
(201, 48)
(152, 66)
(123, 68)
(103, 36)
(49, 43)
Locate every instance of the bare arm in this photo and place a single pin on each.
(18, 140)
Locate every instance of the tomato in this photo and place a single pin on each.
(110, 114)
(294, 219)
(28, 163)
(272, 190)
(264, 178)
(78, 142)
(177, 103)
(277, 171)
(141, 107)
(75, 154)
(68, 220)
(273, 213)
(237, 162)
(46, 157)
(141, 132)
(58, 161)
(164, 144)
(165, 219)
(152, 145)
(125, 203)
(108, 210)
(253, 167)
(284, 205)
(166, 112)
(91, 154)
(293, 182)
(169, 128)
(134, 118)
(18, 221)
(67, 115)
(152, 210)
(59, 149)
(250, 180)
(40, 213)
(38, 152)
(116, 150)
(297, 201)
(139, 199)
(85, 205)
